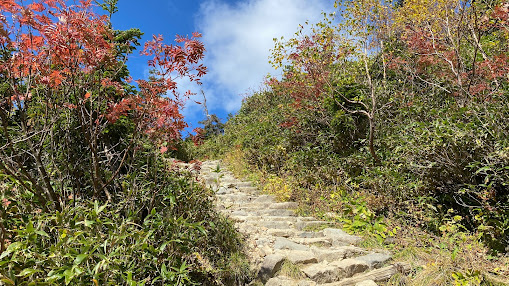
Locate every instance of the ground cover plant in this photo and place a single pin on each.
(88, 195)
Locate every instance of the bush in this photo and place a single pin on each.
(162, 232)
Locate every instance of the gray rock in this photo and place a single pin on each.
(262, 241)
(264, 199)
(271, 264)
(244, 184)
(285, 205)
(279, 281)
(375, 260)
(283, 243)
(304, 225)
(367, 283)
(285, 281)
(318, 241)
(275, 212)
(340, 237)
(337, 253)
(281, 232)
(240, 213)
(350, 267)
(306, 283)
(274, 224)
(300, 257)
(224, 191)
(309, 234)
(321, 273)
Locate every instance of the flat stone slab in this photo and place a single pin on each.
(319, 241)
(309, 234)
(281, 232)
(375, 260)
(349, 267)
(340, 237)
(299, 256)
(285, 281)
(336, 253)
(264, 199)
(283, 243)
(284, 205)
(306, 225)
(275, 212)
(321, 273)
(366, 283)
(274, 224)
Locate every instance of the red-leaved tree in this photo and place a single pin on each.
(65, 91)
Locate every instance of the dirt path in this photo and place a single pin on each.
(282, 244)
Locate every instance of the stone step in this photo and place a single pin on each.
(286, 244)
(272, 224)
(316, 241)
(340, 237)
(309, 224)
(275, 234)
(254, 218)
(335, 271)
(377, 275)
(285, 281)
(332, 254)
(299, 256)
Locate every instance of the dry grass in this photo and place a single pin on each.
(455, 258)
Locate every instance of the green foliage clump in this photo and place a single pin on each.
(162, 231)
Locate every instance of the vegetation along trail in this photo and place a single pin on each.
(287, 249)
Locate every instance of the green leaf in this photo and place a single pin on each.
(68, 276)
(42, 233)
(11, 248)
(27, 272)
(7, 281)
(80, 258)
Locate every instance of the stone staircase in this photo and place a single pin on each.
(278, 238)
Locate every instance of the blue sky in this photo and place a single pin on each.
(238, 36)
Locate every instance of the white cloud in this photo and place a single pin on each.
(238, 38)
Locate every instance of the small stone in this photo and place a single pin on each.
(271, 264)
(223, 191)
(283, 243)
(267, 250)
(262, 241)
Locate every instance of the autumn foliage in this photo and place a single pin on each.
(66, 94)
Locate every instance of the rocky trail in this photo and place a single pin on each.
(282, 244)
